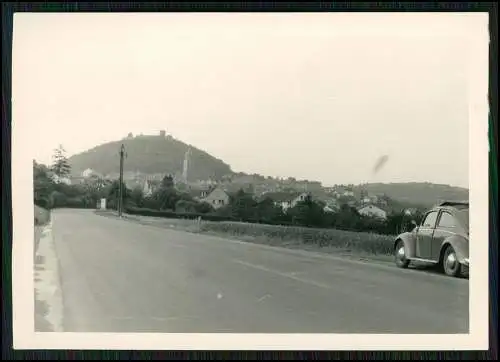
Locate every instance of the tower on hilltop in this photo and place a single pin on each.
(185, 165)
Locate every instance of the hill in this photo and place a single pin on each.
(417, 193)
(165, 154)
(149, 155)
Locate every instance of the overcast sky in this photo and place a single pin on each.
(313, 96)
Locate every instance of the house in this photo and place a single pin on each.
(199, 193)
(331, 206)
(217, 198)
(149, 187)
(300, 197)
(372, 211)
(280, 199)
(88, 172)
(348, 193)
(60, 180)
(330, 209)
(330, 190)
(411, 211)
(286, 200)
(342, 192)
(366, 200)
(76, 180)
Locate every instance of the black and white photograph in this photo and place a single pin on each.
(266, 180)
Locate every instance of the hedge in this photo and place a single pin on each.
(174, 215)
(192, 215)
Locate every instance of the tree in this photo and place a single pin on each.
(60, 164)
(308, 213)
(166, 198)
(137, 196)
(167, 182)
(268, 211)
(346, 218)
(114, 193)
(42, 186)
(58, 199)
(243, 206)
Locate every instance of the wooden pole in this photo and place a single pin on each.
(120, 194)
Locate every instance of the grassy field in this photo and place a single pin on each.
(345, 243)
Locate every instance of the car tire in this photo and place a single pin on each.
(451, 265)
(400, 255)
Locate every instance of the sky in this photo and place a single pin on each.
(311, 96)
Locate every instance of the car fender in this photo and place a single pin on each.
(408, 239)
(459, 244)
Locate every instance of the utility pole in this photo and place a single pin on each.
(120, 194)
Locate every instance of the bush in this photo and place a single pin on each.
(44, 203)
(60, 200)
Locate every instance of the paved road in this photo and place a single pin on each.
(120, 276)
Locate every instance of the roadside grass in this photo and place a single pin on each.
(349, 244)
(347, 241)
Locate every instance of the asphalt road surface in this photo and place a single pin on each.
(121, 276)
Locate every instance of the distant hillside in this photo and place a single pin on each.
(149, 155)
(417, 193)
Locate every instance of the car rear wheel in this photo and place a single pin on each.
(400, 255)
(451, 265)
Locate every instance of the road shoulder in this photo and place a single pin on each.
(48, 294)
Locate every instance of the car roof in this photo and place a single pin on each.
(452, 206)
(456, 204)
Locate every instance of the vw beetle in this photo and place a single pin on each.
(442, 238)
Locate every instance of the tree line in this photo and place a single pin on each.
(310, 213)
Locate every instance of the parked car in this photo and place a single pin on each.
(442, 239)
